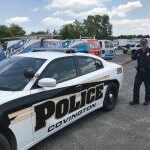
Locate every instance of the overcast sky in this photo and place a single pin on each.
(127, 16)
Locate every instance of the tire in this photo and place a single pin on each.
(111, 97)
(4, 144)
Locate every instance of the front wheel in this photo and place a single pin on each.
(111, 97)
(4, 144)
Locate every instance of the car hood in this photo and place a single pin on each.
(6, 96)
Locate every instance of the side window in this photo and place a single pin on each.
(106, 44)
(87, 65)
(100, 44)
(99, 64)
(111, 44)
(94, 44)
(61, 69)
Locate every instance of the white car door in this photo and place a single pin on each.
(21, 121)
(16, 113)
(53, 104)
(93, 74)
(78, 92)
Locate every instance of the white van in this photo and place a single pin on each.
(134, 47)
(107, 49)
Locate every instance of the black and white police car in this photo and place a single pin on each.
(42, 92)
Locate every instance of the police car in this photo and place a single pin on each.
(42, 92)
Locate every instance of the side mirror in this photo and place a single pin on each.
(47, 82)
(29, 73)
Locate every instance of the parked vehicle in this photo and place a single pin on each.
(91, 46)
(124, 49)
(14, 46)
(6, 43)
(107, 49)
(134, 48)
(26, 45)
(42, 92)
(2, 54)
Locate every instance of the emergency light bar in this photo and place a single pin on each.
(63, 50)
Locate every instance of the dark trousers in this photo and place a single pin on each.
(139, 79)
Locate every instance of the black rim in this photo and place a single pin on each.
(112, 96)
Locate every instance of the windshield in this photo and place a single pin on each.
(12, 72)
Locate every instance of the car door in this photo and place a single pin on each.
(13, 82)
(57, 103)
(93, 74)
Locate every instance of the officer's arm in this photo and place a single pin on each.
(127, 61)
(133, 57)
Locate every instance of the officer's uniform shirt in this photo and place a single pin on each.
(143, 59)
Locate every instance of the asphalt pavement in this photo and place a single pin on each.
(124, 128)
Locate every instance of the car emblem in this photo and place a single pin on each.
(147, 54)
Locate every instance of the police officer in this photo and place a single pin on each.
(143, 72)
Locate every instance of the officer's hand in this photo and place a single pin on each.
(119, 63)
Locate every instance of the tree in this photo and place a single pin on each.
(55, 32)
(131, 36)
(93, 26)
(38, 33)
(78, 29)
(72, 30)
(98, 26)
(48, 32)
(5, 32)
(17, 30)
(106, 28)
(66, 32)
(89, 26)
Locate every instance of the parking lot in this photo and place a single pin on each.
(124, 128)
